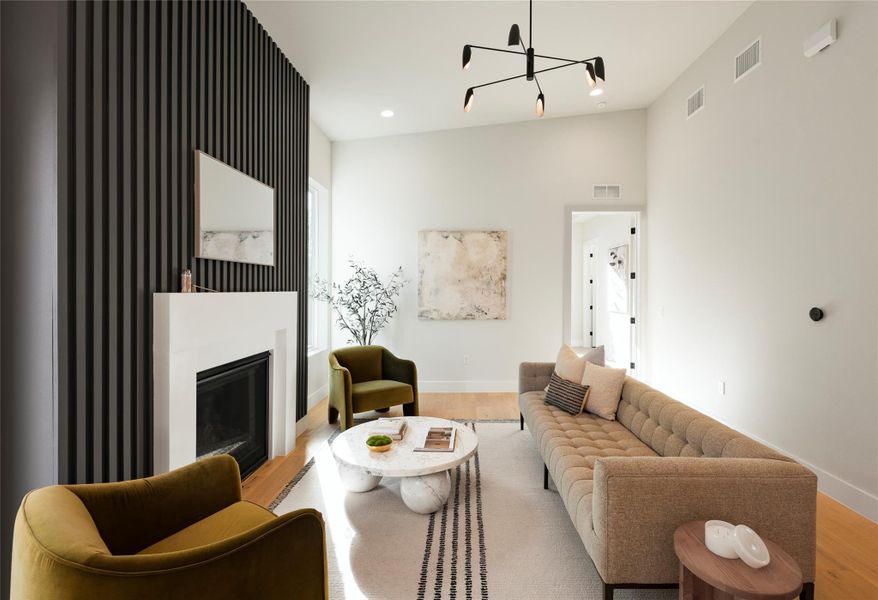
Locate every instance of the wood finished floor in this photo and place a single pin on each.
(847, 543)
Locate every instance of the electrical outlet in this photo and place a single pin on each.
(466, 359)
(721, 388)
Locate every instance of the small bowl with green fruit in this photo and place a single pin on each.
(379, 443)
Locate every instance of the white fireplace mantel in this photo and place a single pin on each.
(195, 332)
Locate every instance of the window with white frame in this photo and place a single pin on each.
(318, 265)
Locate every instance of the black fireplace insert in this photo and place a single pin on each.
(232, 412)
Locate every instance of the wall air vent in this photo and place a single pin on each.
(695, 102)
(611, 191)
(749, 59)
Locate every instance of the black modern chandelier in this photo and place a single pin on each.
(594, 66)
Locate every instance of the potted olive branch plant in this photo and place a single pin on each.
(363, 304)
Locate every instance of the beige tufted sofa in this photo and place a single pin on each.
(628, 484)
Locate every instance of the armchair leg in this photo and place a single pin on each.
(807, 591)
(382, 410)
(333, 415)
(410, 409)
(521, 421)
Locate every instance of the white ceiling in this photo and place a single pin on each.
(361, 57)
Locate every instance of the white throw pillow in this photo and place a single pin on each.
(570, 366)
(604, 390)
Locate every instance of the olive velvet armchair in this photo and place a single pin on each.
(363, 378)
(184, 534)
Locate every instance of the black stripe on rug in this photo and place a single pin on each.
(467, 533)
(455, 525)
(425, 564)
(480, 524)
(440, 557)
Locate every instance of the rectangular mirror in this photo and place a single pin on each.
(234, 214)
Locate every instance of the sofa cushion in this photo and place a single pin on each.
(229, 522)
(569, 365)
(566, 395)
(605, 390)
(673, 429)
(570, 445)
(380, 393)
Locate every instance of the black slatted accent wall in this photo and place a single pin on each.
(146, 83)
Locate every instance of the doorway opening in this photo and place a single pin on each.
(604, 281)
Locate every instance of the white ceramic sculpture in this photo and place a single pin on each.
(730, 541)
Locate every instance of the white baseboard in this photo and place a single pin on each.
(317, 395)
(447, 385)
(856, 499)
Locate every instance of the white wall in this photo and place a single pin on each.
(320, 170)
(518, 177)
(760, 207)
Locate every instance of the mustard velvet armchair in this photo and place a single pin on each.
(363, 378)
(184, 534)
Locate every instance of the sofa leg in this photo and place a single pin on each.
(545, 477)
(610, 588)
(521, 421)
(608, 591)
(807, 591)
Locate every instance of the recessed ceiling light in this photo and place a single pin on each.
(596, 92)
(602, 105)
(386, 113)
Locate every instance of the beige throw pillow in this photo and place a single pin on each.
(604, 390)
(570, 365)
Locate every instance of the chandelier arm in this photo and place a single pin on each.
(570, 60)
(496, 49)
(570, 64)
(475, 87)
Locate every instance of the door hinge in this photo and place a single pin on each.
(591, 280)
(591, 333)
(591, 255)
(633, 230)
(632, 320)
(632, 275)
(591, 307)
(632, 366)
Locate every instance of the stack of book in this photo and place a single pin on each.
(392, 428)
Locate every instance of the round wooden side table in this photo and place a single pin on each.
(706, 576)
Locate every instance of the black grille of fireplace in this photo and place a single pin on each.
(232, 412)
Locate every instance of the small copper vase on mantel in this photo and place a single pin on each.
(186, 282)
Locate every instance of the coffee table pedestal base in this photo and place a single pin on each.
(356, 479)
(425, 494)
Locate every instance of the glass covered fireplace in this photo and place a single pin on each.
(232, 412)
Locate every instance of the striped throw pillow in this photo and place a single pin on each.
(566, 395)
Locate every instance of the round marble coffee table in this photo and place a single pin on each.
(425, 482)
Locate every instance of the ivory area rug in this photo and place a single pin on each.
(501, 535)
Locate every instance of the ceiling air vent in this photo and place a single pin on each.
(749, 59)
(607, 192)
(695, 102)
